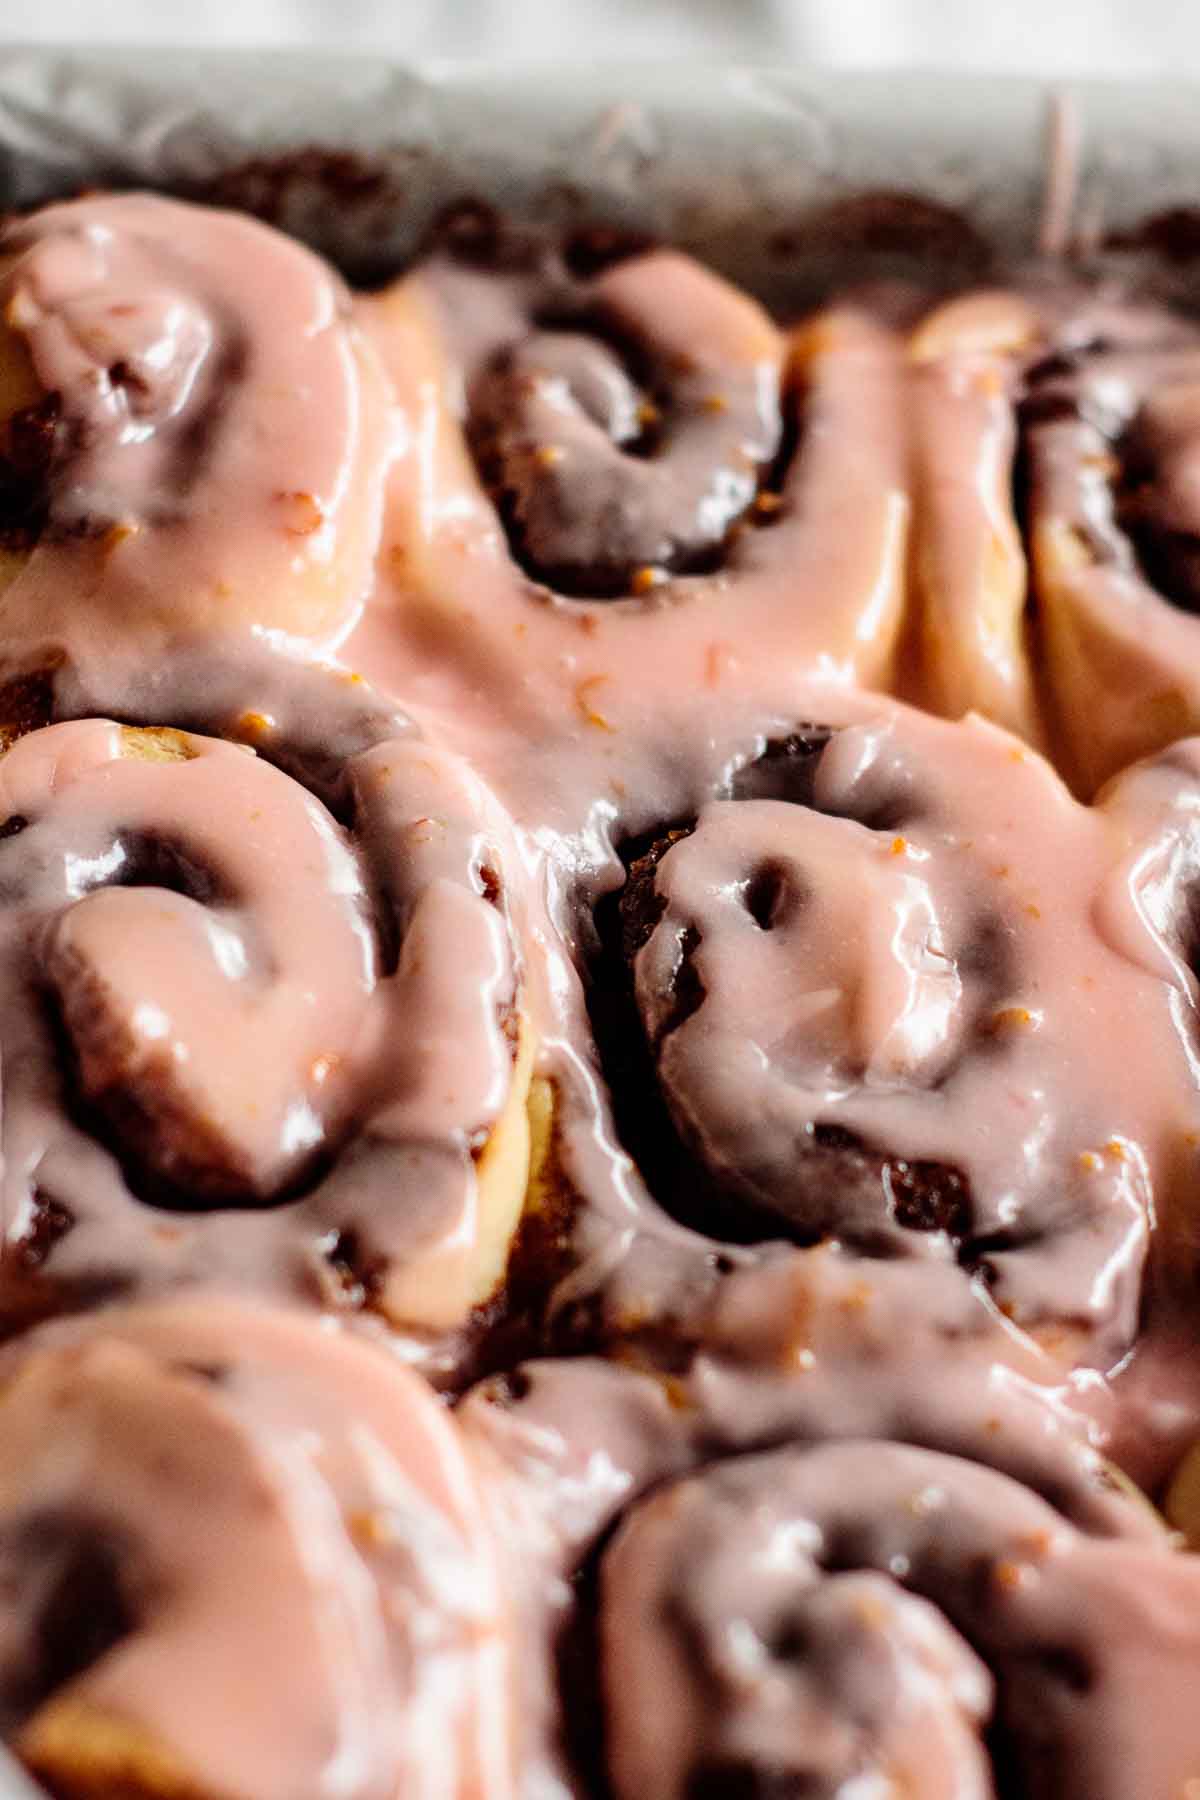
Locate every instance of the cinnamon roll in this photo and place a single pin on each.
(1054, 547)
(263, 1016)
(901, 992)
(242, 1555)
(194, 431)
(617, 475)
(815, 1619)
(762, 1599)
(1110, 421)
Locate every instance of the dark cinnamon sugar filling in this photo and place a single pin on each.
(622, 478)
(168, 1155)
(615, 456)
(836, 1173)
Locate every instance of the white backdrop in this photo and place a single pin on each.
(1032, 36)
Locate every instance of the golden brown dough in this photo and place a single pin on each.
(975, 648)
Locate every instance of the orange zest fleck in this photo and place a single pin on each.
(591, 713)
(1011, 1575)
(255, 725)
(372, 1527)
(714, 657)
(302, 513)
(119, 533)
(1012, 1018)
(647, 577)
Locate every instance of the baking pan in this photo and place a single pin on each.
(782, 178)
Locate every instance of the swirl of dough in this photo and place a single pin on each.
(891, 934)
(600, 476)
(1056, 438)
(863, 1616)
(615, 479)
(262, 1024)
(243, 1556)
(195, 430)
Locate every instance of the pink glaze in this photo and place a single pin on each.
(236, 1455)
(219, 434)
(602, 489)
(155, 987)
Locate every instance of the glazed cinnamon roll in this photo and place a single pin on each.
(901, 992)
(263, 1008)
(768, 1594)
(193, 429)
(814, 1619)
(243, 1556)
(1111, 423)
(1053, 427)
(630, 473)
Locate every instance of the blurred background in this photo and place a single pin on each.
(1114, 37)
